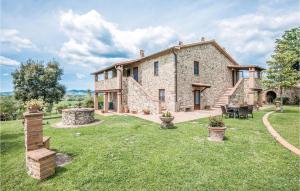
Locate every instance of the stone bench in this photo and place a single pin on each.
(186, 108)
(40, 163)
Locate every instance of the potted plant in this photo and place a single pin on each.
(146, 111)
(166, 119)
(34, 105)
(216, 129)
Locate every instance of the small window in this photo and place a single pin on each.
(156, 68)
(161, 95)
(128, 72)
(196, 68)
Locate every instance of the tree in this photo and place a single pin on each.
(282, 73)
(33, 80)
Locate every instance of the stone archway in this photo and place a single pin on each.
(270, 96)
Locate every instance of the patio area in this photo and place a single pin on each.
(179, 116)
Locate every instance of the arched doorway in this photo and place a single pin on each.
(270, 96)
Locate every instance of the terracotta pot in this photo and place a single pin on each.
(216, 133)
(146, 112)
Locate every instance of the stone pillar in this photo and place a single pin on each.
(105, 104)
(96, 101)
(105, 75)
(119, 76)
(119, 102)
(260, 98)
(251, 86)
(40, 161)
(33, 127)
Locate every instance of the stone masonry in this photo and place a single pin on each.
(40, 161)
(77, 116)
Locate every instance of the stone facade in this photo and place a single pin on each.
(239, 96)
(176, 77)
(138, 99)
(77, 116)
(292, 93)
(212, 70)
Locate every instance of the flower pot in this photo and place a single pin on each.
(216, 133)
(146, 112)
(166, 122)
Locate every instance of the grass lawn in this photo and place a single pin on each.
(287, 124)
(127, 153)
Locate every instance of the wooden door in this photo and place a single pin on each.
(197, 99)
(136, 73)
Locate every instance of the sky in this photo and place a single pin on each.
(84, 36)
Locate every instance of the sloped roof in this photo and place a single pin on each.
(168, 50)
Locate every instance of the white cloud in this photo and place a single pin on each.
(80, 76)
(94, 40)
(255, 34)
(8, 62)
(10, 39)
(5, 74)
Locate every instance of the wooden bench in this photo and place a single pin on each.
(40, 163)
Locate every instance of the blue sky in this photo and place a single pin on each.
(87, 35)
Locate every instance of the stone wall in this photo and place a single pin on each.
(165, 79)
(138, 99)
(77, 116)
(291, 93)
(212, 70)
(239, 95)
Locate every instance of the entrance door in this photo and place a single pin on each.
(197, 99)
(136, 73)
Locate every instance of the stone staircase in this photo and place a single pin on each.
(224, 99)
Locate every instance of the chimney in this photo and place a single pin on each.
(180, 43)
(142, 54)
(202, 39)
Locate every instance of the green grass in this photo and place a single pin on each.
(287, 124)
(127, 153)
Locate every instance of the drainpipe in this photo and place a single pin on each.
(175, 65)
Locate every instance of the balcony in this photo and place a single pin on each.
(108, 84)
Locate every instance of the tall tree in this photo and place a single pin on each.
(33, 80)
(282, 72)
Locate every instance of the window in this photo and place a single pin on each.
(128, 72)
(156, 68)
(196, 68)
(161, 95)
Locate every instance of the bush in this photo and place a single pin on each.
(89, 102)
(285, 100)
(60, 107)
(10, 109)
(216, 122)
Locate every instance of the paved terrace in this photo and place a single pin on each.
(179, 116)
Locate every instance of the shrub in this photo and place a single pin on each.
(167, 114)
(10, 108)
(285, 100)
(60, 107)
(216, 122)
(89, 102)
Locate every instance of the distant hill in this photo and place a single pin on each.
(69, 92)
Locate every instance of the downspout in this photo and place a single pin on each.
(175, 79)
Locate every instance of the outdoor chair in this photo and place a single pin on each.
(243, 112)
(225, 112)
(250, 110)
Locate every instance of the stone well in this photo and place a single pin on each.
(78, 116)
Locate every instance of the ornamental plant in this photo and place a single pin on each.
(35, 104)
(167, 114)
(216, 122)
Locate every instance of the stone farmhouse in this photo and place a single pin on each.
(185, 77)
